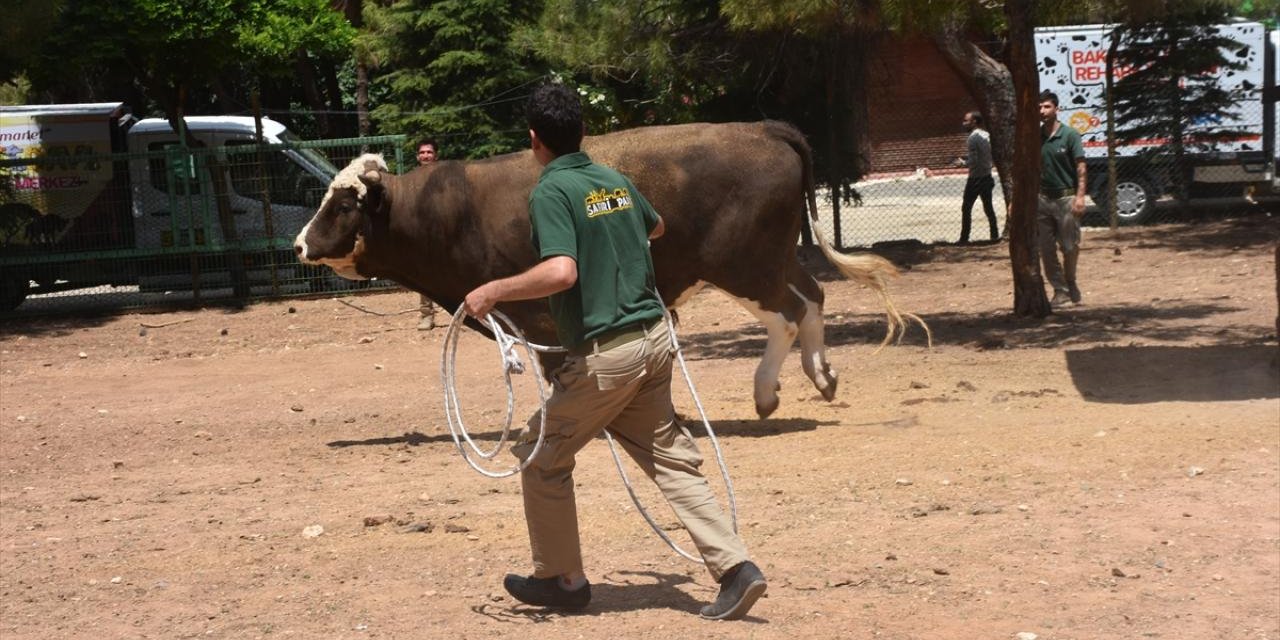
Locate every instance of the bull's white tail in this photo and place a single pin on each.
(864, 268)
(874, 272)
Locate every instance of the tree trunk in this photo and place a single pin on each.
(339, 126)
(990, 84)
(307, 78)
(835, 176)
(1113, 45)
(362, 98)
(354, 10)
(1029, 299)
(175, 113)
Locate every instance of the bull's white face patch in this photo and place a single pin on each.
(300, 244)
(348, 178)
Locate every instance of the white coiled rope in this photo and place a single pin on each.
(511, 363)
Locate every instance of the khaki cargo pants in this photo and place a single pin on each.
(1057, 227)
(627, 390)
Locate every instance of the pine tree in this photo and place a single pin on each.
(449, 69)
(1170, 88)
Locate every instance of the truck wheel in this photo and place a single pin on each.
(13, 290)
(1135, 200)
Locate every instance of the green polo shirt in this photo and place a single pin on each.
(1058, 155)
(596, 216)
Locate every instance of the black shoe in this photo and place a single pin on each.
(739, 589)
(546, 592)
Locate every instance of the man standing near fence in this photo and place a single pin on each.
(980, 182)
(427, 154)
(1062, 185)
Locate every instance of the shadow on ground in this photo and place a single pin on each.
(1145, 374)
(618, 591)
(1190, 230)
(1080, 324)
(723, 428)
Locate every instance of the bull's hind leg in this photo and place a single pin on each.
(813, 349)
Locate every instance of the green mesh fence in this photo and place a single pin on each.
(167, 224)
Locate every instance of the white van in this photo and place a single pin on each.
(1072, 63)
(89, 196)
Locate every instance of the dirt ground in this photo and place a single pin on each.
(1110, 472)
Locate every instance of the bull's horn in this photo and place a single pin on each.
(372, 172)
(372, 177)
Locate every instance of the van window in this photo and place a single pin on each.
(288, 183)
(161, 179)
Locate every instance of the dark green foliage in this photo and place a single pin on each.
(656, 62)
(197, 56)
(1171, 88)
(450, 70)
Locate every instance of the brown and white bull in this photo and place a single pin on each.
(731, 196)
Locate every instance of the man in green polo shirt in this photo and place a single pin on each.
(591, 228)
(1062, 185)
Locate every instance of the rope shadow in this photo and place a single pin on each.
(412, 439)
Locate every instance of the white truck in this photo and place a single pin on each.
(1072, 64)
(91, 196)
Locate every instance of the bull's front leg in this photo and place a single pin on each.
(782, 334)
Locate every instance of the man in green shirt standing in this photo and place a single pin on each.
(591, 228)
(1062, 185)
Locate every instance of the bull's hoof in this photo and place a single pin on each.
(829, 392)
(766, 409)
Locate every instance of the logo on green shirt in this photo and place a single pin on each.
(601, 202)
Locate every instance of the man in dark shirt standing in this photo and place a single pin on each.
(591, 228)
(1062, 185)
(427, 154)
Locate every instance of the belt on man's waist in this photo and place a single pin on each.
(1057, 193)
(613, 338)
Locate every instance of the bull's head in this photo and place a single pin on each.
(335, 235)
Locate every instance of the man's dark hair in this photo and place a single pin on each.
(430, 141)
(976, 117)
(555, 114)
(1049, 96)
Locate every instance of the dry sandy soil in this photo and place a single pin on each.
(1112, 471)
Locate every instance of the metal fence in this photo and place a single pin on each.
(167, 224)
(917, 185)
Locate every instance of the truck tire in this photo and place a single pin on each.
(13, 290)
(1135, 202)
